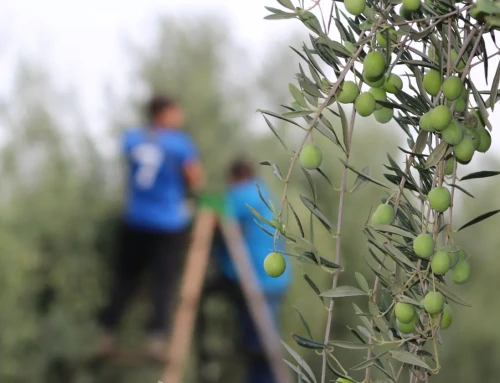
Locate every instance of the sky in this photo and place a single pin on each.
(83, 41)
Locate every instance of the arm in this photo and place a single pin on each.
(192, 167)
(195, 176)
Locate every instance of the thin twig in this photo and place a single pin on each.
(330, 18)
(453, 180)
(340, 215)
(316, 4)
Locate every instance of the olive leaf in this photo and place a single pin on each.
(343, 291)
(408, 358)
(480, 218)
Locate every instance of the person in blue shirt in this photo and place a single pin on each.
(163, 164)
(242, 192)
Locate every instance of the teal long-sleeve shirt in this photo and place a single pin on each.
(258, 243)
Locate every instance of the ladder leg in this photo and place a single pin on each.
(259, 309)
(192, 284)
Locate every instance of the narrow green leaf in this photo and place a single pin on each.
(421, 141)
(363, 319)
(308, 343)
(345, 127)
(398, 255)
(264, 229)
(367, 363)
(297, 370)
(304, 322)
(281, 16)
(273, 208)
(313, 209)
(386, 373)
(481, 174)
(259, 216)
(311, 184)
(287, 4)
(480, 218)
(394, 230)
(280, 117)
(334, 46)
(324, 176)
(412, 153)
(302, 363)
(359, 182)
(366, 177)
(419, 63)
(403, 106)
(311, 99)
(480, 104)
(297, 95)
(312, 61)
(299, 224)
(324, 130)
(273, 129)
(315, 76)
(451, 295)
(461, 189)
(276, 169)
(261, 196)
(437, 154)
(379, 322)
(364, 331)
(494, 88)
(363, 284)
(309, 87)
(425, 353)
(350, 345)
(405, 299)
(357, 335)
(313, 286)
(408, 358)
(274, 10)
(322, 261)
(298, 113)
(343, 291)
(310, 21)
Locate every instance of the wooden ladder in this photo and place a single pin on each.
(192, 285)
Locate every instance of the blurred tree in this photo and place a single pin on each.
(53, 199)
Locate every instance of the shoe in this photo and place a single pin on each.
(156, 348)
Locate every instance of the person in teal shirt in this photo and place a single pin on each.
(243, 191)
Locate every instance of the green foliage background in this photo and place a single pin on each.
(60, 201)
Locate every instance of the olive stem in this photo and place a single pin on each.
(343, 189)
(453, 180)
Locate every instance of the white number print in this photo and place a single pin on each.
(149, 158)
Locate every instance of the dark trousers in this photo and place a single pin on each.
(163, 254)
(247, 339)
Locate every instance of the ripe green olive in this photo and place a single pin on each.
(439, 199)
(434, 302)
(311, 157)
(423, 245)
(274, 265)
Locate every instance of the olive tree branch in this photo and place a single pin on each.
(340, 215)
(295, 157)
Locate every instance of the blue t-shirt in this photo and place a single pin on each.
(258, 243)
(156, 191)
